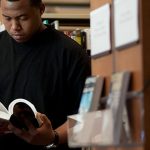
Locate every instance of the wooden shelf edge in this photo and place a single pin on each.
(71, 28)
(65, 16)
(78, 2)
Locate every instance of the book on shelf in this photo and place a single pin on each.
(82, 37)
(86, 40)
(117, 104)
(55, 24)
(19, 110)
(91, 94)
(76, 35)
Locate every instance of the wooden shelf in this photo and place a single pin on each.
(67, 9)
(67, 2)
(65, 16)
(71, 28)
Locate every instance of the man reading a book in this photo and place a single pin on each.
(44, 66)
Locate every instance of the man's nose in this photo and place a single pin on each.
(15, 25)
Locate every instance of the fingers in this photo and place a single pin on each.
(4, 127)
(42, 118)
(39, 118)
(37, 136)
(28, 129)
(24, 134)
(15, 130)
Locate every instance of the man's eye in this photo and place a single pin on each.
(23, 18)
(7, 18)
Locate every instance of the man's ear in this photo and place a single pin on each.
(42, 8)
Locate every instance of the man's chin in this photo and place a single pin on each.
(20, 40)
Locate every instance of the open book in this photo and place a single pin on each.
(18, 112)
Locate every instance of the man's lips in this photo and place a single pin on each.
(17, 36)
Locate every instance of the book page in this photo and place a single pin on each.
(3, 108)
(4, 117)
(4, 114)
(14, 102)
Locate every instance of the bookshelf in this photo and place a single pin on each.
(70, 14)
(135, 58)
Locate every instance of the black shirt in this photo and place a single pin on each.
(49, 70)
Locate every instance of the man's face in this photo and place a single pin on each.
(21, 20)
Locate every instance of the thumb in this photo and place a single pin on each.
(43, 119)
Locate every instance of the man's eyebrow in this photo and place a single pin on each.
(5, 15)
(15, 17)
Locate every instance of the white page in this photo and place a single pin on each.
(125, 22)
(4, 114)
(12, 104)
(3, 108)
(100, 30)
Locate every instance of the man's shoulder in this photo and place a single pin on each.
(63, 41)
(3, 34)
(61, 38)
(4, 38)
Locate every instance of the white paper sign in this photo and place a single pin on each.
(100, 30)
(125, 22)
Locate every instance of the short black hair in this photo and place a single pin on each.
(35, 3)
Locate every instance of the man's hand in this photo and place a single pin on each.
(4, 126)
(43, 135)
